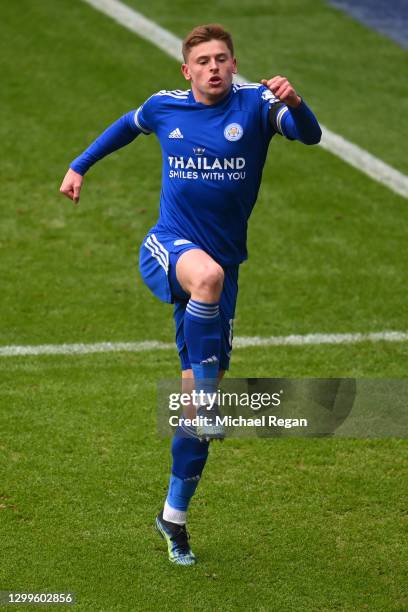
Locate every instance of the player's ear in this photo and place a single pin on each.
(234, 64)
(185, 71)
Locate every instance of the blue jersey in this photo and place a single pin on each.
(213, 156)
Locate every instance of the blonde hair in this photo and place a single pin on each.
(205, 33)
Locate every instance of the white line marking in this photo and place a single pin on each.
(336, 144)
(365, 162)
(315, 339)
(243, 342)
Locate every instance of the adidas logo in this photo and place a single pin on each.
(176, 134)
(212, 359)
(192, 479)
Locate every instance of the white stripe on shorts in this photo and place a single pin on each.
(161, 249)
(157, 254)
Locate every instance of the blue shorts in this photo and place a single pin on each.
(158, 257)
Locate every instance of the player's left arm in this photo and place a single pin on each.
(292, 118)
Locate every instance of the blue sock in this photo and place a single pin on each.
(202, 333)
(189, 457)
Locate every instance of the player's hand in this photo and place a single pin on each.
(71, 185)
(282, 89)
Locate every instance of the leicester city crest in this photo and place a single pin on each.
(233, 132)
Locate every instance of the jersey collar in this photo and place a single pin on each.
(224, 100)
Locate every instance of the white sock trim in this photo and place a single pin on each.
(173, 515)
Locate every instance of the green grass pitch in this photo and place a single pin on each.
(283, 525)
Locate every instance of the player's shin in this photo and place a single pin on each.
(202, 333)
(189, 457)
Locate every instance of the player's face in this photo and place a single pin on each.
(210, 67)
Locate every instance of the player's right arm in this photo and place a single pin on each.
(71, 185)
(118, 135)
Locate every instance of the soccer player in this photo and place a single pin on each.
(214, 138)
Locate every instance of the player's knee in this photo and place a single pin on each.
(209, 277)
